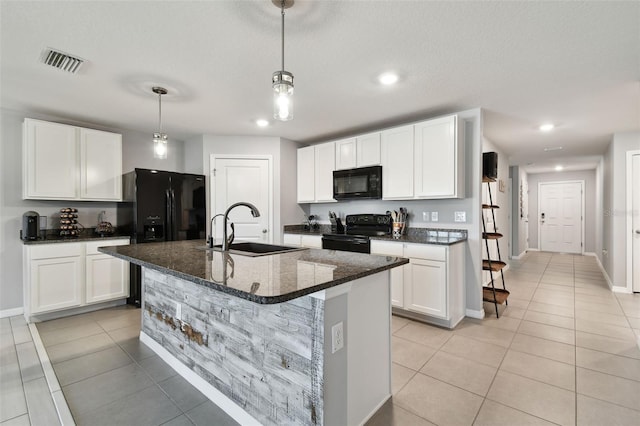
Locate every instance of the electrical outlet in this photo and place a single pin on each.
(337, 337)
(460, 216)
(434, 216)
(178, 311)
(425, 216)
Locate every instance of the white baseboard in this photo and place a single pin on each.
(471, 313)
(606, 276)
(217, 397)
(533, 249)
(521, 255)
(11, 312)
(619, 289)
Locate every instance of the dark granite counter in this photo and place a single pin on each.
(53, 237)
(264, 279)
(413, 235)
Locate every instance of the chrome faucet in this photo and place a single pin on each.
(226, 242)
(212, 239)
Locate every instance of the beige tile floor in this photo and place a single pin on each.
(563, 352)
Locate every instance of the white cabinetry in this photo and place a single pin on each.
(62, 162)
(54, 272)
(60, 276)
(346, 154)
(361, 151)
(396, 156)
(100, 165)
(439, 159)
(387, 248)
(431, 287)
(106, 277)
(50, 159)
(300, 240)
(315, 173)
(424, 160)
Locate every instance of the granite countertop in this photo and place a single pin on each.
(53, 237)
(413, 235)
(264, 279)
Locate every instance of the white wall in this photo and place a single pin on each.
(614, 237)
(590, 185)
(137, 152)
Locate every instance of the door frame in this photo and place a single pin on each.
(212, 198)
(629, 204)
(582, 212)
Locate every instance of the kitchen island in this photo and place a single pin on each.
(301, 337)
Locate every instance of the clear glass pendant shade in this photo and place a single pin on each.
(160, 145)
(282, 96)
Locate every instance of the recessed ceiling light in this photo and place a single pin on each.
(559, 168)
(388, 78)
(547, 127)
(553, 148)
(262, 123)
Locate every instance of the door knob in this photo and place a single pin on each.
(264, 231)
(637, 231)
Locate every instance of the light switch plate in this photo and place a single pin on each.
(460, 216)
(434, 216)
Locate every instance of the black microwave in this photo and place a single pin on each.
(362, 183)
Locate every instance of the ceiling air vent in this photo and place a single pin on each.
(61, 60)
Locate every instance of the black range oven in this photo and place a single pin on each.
(358, 230)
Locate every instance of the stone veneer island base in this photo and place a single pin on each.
(274, 363)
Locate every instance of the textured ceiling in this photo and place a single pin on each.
(576, 64)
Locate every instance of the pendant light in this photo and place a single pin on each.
(282, 81)
(159, 138)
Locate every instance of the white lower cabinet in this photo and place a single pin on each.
(429, 288)
(55, 277)
(299, 240)
(106, 277)
(61, 276)
(387, 248)
(426, 287)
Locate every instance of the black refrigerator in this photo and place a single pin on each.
(161, 206)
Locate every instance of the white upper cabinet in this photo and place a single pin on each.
(325, 164)
(438, 161)
(362, 151)
(62, 162)
(49, 160)
(396, 156)
(100, 165)
(346, 154)
(315, 173)
(423, 160)
(368, 150)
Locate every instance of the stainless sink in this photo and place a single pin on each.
(256, 249)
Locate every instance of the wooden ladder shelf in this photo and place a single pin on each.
(490, 293)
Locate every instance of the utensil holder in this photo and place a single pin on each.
(397, 230)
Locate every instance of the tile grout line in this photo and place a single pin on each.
(60, 403)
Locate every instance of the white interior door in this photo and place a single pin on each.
(560, 216)
(243, 179)
(632, 258)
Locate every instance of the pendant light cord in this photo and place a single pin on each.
(282, 12)
(160, 111)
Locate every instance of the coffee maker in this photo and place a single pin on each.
(30, 226)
